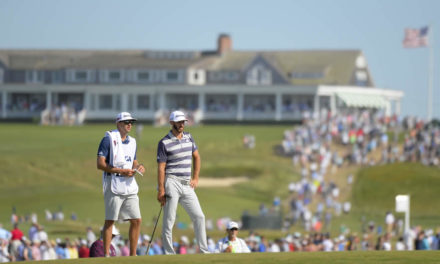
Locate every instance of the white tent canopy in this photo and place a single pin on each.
(362, 100)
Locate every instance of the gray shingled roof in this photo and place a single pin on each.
(337, 66)
(56, 59)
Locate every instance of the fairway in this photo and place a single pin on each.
(370, 257)
(54, 168)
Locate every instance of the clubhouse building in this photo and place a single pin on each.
(222, 85)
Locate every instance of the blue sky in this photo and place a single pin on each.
(376, 27)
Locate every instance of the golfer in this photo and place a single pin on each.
(176, 154)
(231, 243)
(117, 160)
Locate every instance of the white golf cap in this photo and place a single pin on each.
(231, 225)
(177, 116)
(115, 231)
(124, 116)
(184, 240)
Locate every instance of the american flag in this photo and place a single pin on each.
(415, 38)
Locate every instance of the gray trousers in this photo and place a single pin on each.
(185, 195)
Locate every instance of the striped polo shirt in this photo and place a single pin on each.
(177, 154)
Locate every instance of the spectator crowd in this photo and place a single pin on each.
(15, 246)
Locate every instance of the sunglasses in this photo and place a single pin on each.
(233, 229)
(128, 122)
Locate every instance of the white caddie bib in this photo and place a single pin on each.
(122, 156)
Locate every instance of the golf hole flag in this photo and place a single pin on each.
(415, 38)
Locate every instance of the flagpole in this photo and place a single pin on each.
(431, 72)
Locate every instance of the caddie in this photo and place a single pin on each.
(117, 160)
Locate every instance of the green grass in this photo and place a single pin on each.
(55, 167)
(358, 257)
(375, 189)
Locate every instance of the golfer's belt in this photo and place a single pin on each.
(116, 174)
(182, 181)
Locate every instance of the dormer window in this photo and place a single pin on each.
(259, 75)
(361, 78)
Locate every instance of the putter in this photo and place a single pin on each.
(155, 225)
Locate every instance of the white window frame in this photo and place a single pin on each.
(259, 75)
(112, 100)
(361, 76)
(177, 72)
(56, 76)
(137, 102)
(75, 77)
(121, 76)
(32, 76)
(71, 75)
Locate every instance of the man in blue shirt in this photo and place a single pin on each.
(117, 160)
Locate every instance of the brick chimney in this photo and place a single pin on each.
(224, 43)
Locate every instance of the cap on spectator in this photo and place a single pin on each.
(115, 231)
(146, 238)
(58, 240)
(124, 116)
(184, 240)
(83, 242)
(231, 225)
(177, 116)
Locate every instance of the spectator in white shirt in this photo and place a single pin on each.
(231, 243)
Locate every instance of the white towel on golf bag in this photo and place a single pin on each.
(122, 156)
